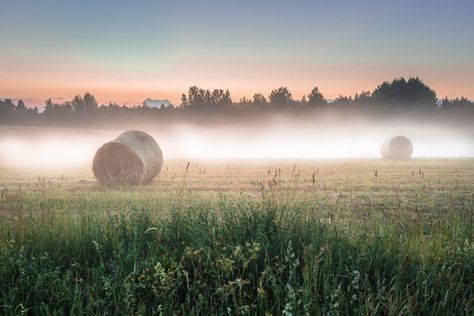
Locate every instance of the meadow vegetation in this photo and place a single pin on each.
(325, 237)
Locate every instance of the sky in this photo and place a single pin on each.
(126, 51)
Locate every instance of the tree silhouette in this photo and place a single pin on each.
(184, 101)
(90, 103)
(259, 98)
(281, 96)
(363, 98)
(221, 97)
(7, 110)
(315, 97)
(48, 106)
(199, 103)
(401, 92)
(244, 101)
(198, 98)
(21, 107)
(78, 104)
(456, 104)
(7, 105)
(340, 100)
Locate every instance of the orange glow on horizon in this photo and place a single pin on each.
(133, 87)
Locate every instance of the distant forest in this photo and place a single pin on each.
(398, 97)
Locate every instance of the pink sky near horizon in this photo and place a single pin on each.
(243, 80)
(130, 79)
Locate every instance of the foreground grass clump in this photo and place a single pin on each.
(236, 256)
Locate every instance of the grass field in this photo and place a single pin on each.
(331, 237)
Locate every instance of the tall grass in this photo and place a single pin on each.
(233, 256)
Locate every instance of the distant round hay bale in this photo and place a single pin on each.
(398, 147)
(133, 157)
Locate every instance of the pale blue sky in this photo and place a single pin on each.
(125, 50)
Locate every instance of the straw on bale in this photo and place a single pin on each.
(133, 157)
(398, 147)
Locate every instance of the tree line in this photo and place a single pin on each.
(398, 95)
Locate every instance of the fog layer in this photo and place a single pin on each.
(277, 138)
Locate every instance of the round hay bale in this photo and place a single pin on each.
(398, 147)
(133, 157)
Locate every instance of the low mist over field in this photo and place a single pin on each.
(277, 138)
(208, 124)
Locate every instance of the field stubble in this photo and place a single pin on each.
(242, 237)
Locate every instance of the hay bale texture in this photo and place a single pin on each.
(399, 147)
(133, 157)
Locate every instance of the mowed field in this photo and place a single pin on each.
(329, 237)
